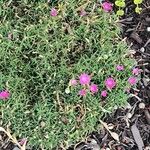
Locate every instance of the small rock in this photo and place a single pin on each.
(141, 105)
(129, 115)
(111, 126)
(148, 29)
(147, 148)
(142, 49)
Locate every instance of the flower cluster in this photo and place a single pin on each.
(135, 72)
(106, 6)
(84, 80)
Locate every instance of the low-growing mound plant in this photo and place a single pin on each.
(62, 66)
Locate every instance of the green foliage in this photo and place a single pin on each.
(138, 2)
(138, 10)
(121, 4)
(120, 12)
(40, 54)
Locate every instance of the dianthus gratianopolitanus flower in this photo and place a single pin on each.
(54, 12)
(104, 93)
(82, 92)
(73, 82)
(84, 79)
(93, 88)
(107, 7)
(120, 67)
(132, 80)
(110, 83)
(23, 141)
(4, 95)
(135, 71)
(82, 12)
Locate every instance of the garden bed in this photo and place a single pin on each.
(46, 109)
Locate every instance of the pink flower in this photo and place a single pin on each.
(94, 88)
(104, 93)
(107, 6)
(84, 79)
(120, 67)
(4, 95)
(132, 80)
(53, 12)
(135, 71)
(73, 82)
(23, 141)
(82, 12)
(82, 92)
(110, 83)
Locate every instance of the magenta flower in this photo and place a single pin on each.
(94, 88)
(82, 92)
(73, 82)
(23, 141)
(132, 80)
(4, 95)
(104, 93)
(135, 71)
(82, 12)
(54, 12)
(110, 83)
(120, 67)
(84, 79)
(107, 7)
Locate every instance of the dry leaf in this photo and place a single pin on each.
(14, 140)
(137, 137)
(113, 134)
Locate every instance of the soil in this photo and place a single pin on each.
(126, 128)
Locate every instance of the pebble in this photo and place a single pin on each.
(142, 49)
(129, 115)
(141, 105)
(148, 29)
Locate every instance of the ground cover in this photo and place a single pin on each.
(41, 51)
(131, 123)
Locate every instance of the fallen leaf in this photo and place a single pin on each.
(114, 135)
(14, 140)
(137, 137)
